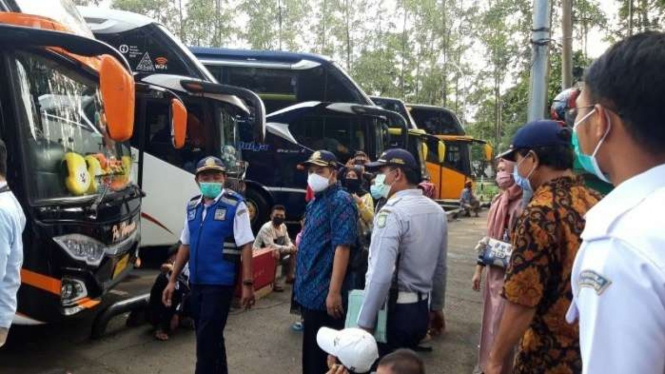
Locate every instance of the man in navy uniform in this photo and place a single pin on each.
(217, 233)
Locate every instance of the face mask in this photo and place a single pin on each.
(589, 162)
(375, 191)
(504, 180)
(353, 185)
(381, 188)
(317, 183)
(277, 221)
(521, 181)
(210, 190)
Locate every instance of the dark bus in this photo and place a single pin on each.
(282, 79)
(293, 134)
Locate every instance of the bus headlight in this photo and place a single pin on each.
(71, 291)
(82, 248)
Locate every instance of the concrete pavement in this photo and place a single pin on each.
(258, 341)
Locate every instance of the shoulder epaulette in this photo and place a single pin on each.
(231, 198)
(193, 201)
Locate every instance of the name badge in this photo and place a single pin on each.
(220, 214)
(191, 214)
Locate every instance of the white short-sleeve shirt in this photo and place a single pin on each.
(618, 280)
(242, 227)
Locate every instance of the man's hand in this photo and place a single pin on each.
(334, 367)
(166, 267)
(276, 254)
(492, 367)
(167, 295)
(247, 300)
(334, 305)
(437, 322)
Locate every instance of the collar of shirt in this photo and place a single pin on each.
(214, 201)
(407, 192)
(625, 196)
(3, 183)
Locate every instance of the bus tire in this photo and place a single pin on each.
(258, 206)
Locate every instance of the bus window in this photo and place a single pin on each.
(340, 135)
(437, 121)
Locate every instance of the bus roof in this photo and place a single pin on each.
(113, 21)
(246, 54)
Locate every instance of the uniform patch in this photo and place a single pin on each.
(220, 214)
(382, 218)
(229, 201)
(591, 279)
(191, 214)
(241, 212)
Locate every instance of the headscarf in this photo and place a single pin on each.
(504, 207)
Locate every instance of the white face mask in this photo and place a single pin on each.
(317, 183)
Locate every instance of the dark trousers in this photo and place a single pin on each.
(314, 359)
(210, 310)
(407, 326)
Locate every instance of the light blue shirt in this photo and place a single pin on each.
(12, 223)
(416, 228)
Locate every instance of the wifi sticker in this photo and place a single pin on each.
(160, 63)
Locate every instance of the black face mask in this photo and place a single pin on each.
(353, 185)
(277, 221)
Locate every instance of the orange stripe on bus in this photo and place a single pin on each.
(41, 281)
(87, 303)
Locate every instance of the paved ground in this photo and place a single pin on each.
(259, 341)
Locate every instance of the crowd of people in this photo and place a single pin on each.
(572, 282)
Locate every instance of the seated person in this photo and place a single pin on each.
(167, 319)
(273, 235)
(468, 202)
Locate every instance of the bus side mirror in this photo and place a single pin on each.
(487, 149)
(441, 152)
(178, 123)
(117, 89)
(424, 150)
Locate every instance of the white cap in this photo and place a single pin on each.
(355, 348)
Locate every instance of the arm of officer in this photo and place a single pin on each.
(621, 324)
(383, 251)
(9, 277)
(242, 232)
(441, 273)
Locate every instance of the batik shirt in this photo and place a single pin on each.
(331, 220)
(545, 242)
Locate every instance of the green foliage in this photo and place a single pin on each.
(471, 56)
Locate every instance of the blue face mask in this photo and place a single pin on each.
(380, 189)
(521, 181)
(589, 162)
(210, 190)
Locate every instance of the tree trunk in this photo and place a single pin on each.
(348, 36)
(182, 21)
(404, 36)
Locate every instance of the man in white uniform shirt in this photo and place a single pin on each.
(12, 223)
(619, 274)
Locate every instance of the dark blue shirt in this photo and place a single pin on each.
(331, 220)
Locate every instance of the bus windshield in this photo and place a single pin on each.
(67, 149)
(280, 88)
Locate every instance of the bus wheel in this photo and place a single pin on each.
(258, 208)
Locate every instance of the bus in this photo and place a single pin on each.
(429, 149)
(282, 79)
(67, 107)
(294, 133)
(216, 115)
(457, 167)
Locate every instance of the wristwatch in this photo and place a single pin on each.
(248, 282)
